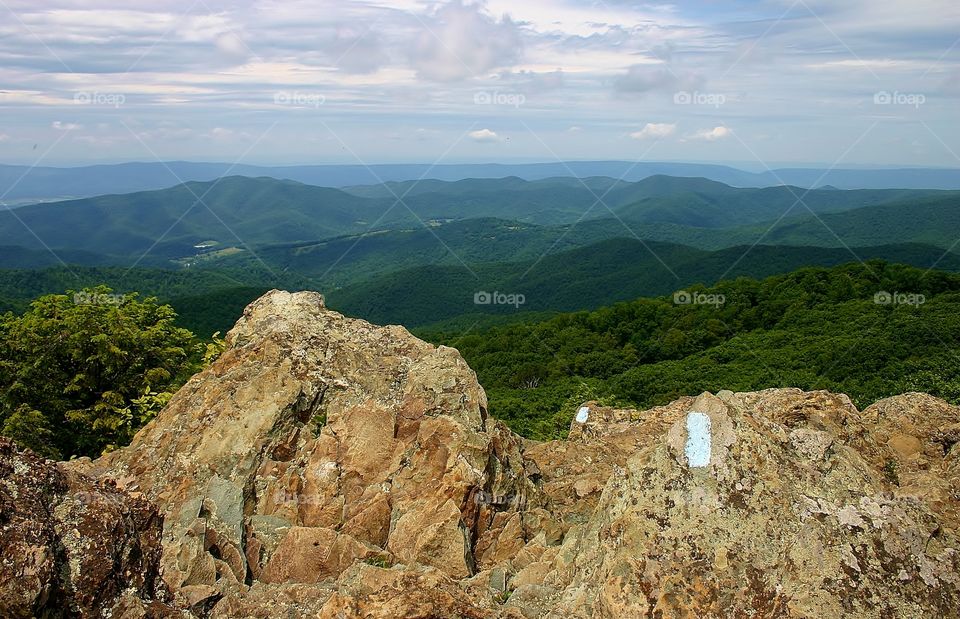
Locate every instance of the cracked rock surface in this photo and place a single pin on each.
(317, 442)
(71, 546)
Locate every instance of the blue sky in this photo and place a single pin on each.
(297, 81)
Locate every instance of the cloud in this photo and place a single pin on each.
(654, 131)
(164, 132)
(420, 134)
(4, 137)
(222, 133)
(711, 135)
(533, 82)
(232, 47)
(484, 135)
(951, 85)
(417, 63)
(353, 49)
(460, 42)
(645, 78)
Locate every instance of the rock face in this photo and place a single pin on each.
(325, 467)
(316, 442)
(785, 519)
(71, 546)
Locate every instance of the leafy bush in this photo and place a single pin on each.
(81, 372)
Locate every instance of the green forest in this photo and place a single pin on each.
(814, 328)
(81, 372)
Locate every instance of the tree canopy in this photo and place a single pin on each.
(81, 372)
(854, 329)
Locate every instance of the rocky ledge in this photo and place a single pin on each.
(325, 467)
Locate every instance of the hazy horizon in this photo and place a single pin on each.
(745, 166)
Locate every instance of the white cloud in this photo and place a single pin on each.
(879, 17)
(951, 85)
(654, 131)
(644, 78)
(484, 135)
(461, 41)
(222, 133)
(166, 132)
(533, 81)
(356, 50)
(4, 137)
(711, 135)
(232, 47)
(416, 63)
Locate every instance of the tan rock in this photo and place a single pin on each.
(433, 536)
(321, 422)
(532, 574)
(71, 543)
(671, 540)
(270, 601)
(506, 544)
(313, 554)
(912, 438)
(373, 593)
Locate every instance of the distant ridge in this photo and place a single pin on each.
(238, 212)
(19, 183)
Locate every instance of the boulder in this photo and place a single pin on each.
(317, 441)
(913, 439)
(766, 527)
(73, 546)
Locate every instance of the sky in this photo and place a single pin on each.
(759, 84)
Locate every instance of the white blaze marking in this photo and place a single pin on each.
(583, 414)
(698, 440)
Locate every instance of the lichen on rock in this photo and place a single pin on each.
(72, 546)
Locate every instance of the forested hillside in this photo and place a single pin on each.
(814, 329)
(240, 214)
(590, 277)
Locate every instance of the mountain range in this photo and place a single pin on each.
(22, 184)
(416, 253)
(240, 213)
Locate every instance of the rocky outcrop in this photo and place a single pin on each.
(316, 442)
(912, 439)
(71, 546)
(325, 467)
(785, 518)
(574, 472)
